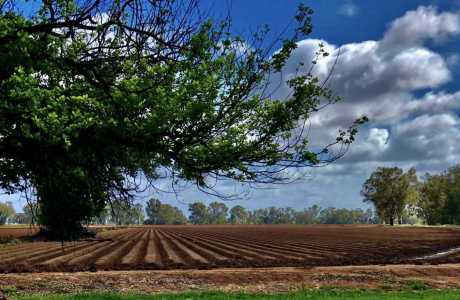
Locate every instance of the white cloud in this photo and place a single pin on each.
(419, 25)
(348, 9)
(379, 78)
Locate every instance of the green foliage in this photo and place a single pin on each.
(6, 212)
(238, 215)
(308, 215)
(199, 213)
(417, 285)
(451, 211)
(333, 215)
(217, 213)
(124, 213)
(31, 212)
(439, 197)
(86, 106)
(159, 213)
(390, 190)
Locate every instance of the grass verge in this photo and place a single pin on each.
(321, 294)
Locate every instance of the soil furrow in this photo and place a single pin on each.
(87, 260)
(204, 252)
(266, 247)
(173, 255)
(249, 248)
(239, 250)
(154, 254)
(56, 261)
(137, 252)
(186, 253)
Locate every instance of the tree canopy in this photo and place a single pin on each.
(390, 190)
(163, 213)
(238, 215)
(439, 197)
(95, 94)
(6, 211)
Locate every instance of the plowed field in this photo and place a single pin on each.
(17, 232)
(179, 247)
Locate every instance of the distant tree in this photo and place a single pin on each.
(217, 213)
(123, 213)
(137, 213)
(389, 190)
(171, 215)
(308, 215)
(238, 215)
(199, 213)
(258, 216)
(332, 215)
(31, 212)
(368, 217)
(273, 215)
(152, 210)
(161, 213)
(104, 218)
(19, 218)
(6, 211)
(451, 211)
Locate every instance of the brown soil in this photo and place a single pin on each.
(18, 232)
(229, 246)
(233, 280)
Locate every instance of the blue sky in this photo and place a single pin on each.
(412, 104)
(398, 64)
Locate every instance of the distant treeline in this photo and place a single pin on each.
(397, 196)
(219, 213)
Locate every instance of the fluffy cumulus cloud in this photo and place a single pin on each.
(387, 80)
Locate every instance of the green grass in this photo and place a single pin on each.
(322, 294)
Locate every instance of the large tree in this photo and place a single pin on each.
(432, 199)
(162, 213)
(6, 212)
(439, 200)
(97, 94)
(217, 213)
(199, 213)
(390, 190)
(123, 213)
(451, 211)
(238, 215)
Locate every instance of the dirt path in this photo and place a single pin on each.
(253, 280)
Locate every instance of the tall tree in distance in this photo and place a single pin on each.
(217, 213)
(123, 213)
(389, 190)
(199, 213)
(433, 199)
(152, 210)
(451, 213)
(6, 212)
(162, 213)
(32, 212)
(95, 93)
(238, 215)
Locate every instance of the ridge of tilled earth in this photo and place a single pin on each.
(208, 247)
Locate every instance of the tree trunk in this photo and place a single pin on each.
(392, 221)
